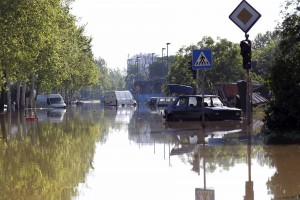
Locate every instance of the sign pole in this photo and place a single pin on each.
(248, 109)
(245, 16)
(202, 90)
(248, 93)
(201, 59)
(197, 81)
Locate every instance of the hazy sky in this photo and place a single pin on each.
(127, 27)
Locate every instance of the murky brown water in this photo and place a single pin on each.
(92, 153)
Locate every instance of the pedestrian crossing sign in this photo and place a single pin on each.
(202, 59)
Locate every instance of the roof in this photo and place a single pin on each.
(258, 99)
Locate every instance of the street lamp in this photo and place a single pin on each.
(168, 55)
(162, 60)
(152, 57)
(137, 68)
(136, 85)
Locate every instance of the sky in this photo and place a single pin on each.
(121, 29)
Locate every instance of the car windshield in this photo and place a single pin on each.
(56, 100)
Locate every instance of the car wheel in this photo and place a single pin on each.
(171, 118)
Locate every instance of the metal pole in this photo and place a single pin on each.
(137, 79)
(204, 163)
(137, 69)
(168, 55)
(162, 61)
(197, 81)
(202, 88)
(248, 93)
(152, 58)
(248, 101)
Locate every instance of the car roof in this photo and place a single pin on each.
(199, 95)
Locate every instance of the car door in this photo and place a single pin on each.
(193, 109)
(181, 107)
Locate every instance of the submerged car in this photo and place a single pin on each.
(164, 101)
(152, 101)
(189, 107)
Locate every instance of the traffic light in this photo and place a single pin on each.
(246, 53)
(194, 72)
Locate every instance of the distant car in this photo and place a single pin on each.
(189, 107)
(152, 101)
(164, 101)
(50, 101)
(117, 98)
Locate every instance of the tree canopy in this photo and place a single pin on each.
(40, 38)
(284, 81)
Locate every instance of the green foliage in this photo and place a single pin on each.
(179, 72)
(264, 51)
(108, 79)
(284, 81)
(227, 65)
(41, 37)
(156, 70)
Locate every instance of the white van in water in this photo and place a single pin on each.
(115, 98)
(50, 101)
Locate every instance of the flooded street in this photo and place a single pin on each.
(90, 152)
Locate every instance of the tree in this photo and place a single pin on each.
(227, 64)
(283, 111)
(264, 52)
(41, 43)
(108, 79)
(179, 72)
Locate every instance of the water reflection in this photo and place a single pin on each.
(42, 160)
(51, 115)
(94, 152)
(119, 114)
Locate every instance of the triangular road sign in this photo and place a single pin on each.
(202, 60)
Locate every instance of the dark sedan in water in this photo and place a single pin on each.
(189, 107)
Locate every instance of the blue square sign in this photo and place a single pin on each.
(202, 59)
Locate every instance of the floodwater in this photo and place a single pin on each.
(90, 152)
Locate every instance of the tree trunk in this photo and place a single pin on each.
(9, 104)
(2, 98)
(23, 95)
(18, 95)
(31, 98)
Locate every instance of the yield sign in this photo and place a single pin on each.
(244, 16)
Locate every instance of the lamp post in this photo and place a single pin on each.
(152, 58)
(137, 79)
(162, 60)
(137, 68)
(168, 55)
